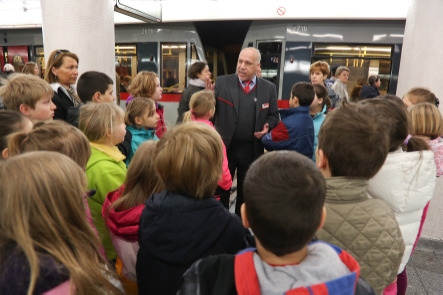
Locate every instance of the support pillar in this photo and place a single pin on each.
(83, 27)
(421, 58)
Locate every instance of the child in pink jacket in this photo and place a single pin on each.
(202, 108)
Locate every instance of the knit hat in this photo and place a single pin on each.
(8, 68)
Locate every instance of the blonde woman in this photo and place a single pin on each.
(47, 244)
(104, 126)
(146, 84)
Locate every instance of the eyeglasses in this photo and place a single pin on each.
(60, 51)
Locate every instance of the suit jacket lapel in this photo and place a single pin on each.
(262, 93)
(233, 89)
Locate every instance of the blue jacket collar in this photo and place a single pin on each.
(297, 110)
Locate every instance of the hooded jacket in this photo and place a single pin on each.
(123, 227)
(294, 132)
(318, 120)
(106, 172)
(175, 231)
(369, 91)
(406, 183)
(245, 273)
(364, 227)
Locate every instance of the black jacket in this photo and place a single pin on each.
(72, 115)
(215, 276)
(369, 91)
(63, 102)
(175, 231)
(183, 106)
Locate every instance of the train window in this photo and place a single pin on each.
(216, 62)
(362, 60)
(173, 67)
(270, 61)
(40, 59)
(126, 60)
(194, 55)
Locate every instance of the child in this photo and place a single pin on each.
(285, 261)
(91, 86)
(295, 131)
(405, 181)
(146, 84)
(11, 122)
(122, 210)
(427, 124)
(141, 121)
(46, 245)
(418, 95)
(29, 95)
(348, 155)
(104, 126)
(184, 222)
(318, 108)
(202, 108)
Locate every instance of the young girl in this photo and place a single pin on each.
(318, 108)
(427, 124)
(10, 122)
(122, 210)
(141, 121)
(406, 181)
(184, 222)
(146, 84)
(104, 126)
(202, 108)
(46, 245)
(419, 95)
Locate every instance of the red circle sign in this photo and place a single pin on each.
(281, 11)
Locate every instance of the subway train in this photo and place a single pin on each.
(288, 47)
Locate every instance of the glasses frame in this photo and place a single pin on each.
(59, 52)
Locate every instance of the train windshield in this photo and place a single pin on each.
(363, 60)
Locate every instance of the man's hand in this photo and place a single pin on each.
(263, 132)
(209, 85)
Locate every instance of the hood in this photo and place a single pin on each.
(406, 181)
(123, 224)
(179, 229)
(298, 110)
(97, 154)
(346, 190)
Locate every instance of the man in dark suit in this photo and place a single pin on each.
(245, 111)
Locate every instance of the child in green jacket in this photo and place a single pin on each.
(104, 126)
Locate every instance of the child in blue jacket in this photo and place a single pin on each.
(295, 131)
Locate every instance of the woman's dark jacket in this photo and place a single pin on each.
(369, 91)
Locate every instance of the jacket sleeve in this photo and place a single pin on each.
(277, 139)
(190, 281)
(273, 116)
(225, 182)
(183, 106)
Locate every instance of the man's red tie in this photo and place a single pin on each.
(247, 82)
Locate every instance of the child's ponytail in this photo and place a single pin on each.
(200, 104)
(415, 144)
(187, 116)
(15, 143)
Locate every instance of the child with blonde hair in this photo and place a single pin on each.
(28, 95)
(146, 84)
(141, 121)
(184, 222)
(104, 126)
(10, 122)
(46, 245)
(122, 210)
(202, 108)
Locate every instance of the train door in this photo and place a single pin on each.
(271, 61)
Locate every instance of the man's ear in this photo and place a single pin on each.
(5, 153)
(323, 218)
(25, 109)
(244, 217)
(96, 97)
(322, 163)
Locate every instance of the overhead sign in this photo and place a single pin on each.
(145, 10)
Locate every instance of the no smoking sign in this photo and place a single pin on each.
(281, 11)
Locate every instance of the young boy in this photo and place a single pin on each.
(318, 73)
(295, 131)
(348, 155)
(91, 86)
(284, 219)
(29, 95)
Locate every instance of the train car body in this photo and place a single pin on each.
(365, 47)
